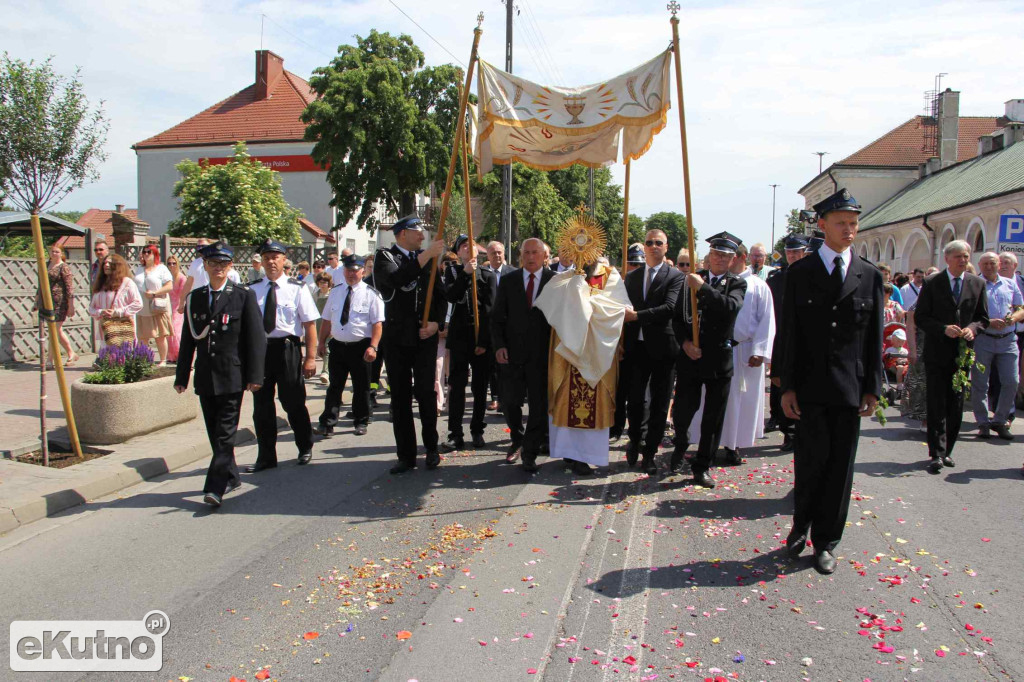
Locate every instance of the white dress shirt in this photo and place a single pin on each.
(365, 309)
(829, 257)
(295, 305)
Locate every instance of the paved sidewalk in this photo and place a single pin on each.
(29, 492)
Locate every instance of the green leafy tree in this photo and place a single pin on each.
(239, 201)
(793, 226)
(675, 228)
(538, 210)
(51, 143)
(383, 125)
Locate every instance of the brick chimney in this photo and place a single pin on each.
(949, 127)
(269, 67)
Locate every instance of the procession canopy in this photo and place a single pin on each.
(550, 128)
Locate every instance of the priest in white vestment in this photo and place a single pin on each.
(754, 334)
(586, 308)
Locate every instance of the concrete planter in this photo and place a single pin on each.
(107, 414)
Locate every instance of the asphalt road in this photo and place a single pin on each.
(477, 571)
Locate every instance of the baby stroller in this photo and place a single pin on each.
(892, 360)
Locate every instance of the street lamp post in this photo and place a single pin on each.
(820, 156)
(773, 215)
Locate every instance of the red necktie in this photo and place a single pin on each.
(529, 291)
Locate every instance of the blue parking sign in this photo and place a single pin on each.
(1011, 228)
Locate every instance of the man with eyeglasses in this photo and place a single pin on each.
(651, 348)
(100, 250)
(683, 261)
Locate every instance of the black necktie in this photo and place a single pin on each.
(956, 289)
(213, 300)
(344, 308)
(837, 273)
(270, 309)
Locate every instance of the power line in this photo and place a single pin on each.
(543, 41)
(533, 51)
(271, 20)
(439, 44)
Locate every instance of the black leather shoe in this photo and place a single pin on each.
(453, 445)
(703, 479)
(582, 468)
(349, 415)
(433, 460)
(648, 466)
(478, 441)
(514, 451)
(614, 437)
(787, 443)
(401, 468)
(984, 432)
(948, 462)
(1003, 431)
(259, 466)
(325, 431)
(632, 453)
(304, 457)
(530, 466)
(676, 460)
(360, 429)
(935, 466)
(771, 425)
(825, 562)
(732, 457)
(795, 544)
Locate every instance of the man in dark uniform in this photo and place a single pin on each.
(795, 247)
(224, 330)
(634, 261)
(402, 274)
(719, 299)
(521, 336)
(651, 348)
(289, 321)
(466, 346)
(831, 373)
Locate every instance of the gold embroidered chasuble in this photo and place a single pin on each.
(586, 317)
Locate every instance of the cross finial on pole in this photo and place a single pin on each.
(480, 20)
(673, 7)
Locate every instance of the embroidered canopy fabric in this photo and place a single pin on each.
(551, 128)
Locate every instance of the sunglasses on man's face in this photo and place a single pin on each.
(654, 242)
(683, 265)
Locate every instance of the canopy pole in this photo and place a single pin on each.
(58, 362)
(469, 231)
(625, 222)
(460, 127)
(674, 7)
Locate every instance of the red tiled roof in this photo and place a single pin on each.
(316, 231)
(101, 222)
(904, 145)
(243, 117)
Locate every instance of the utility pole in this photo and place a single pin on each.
(506, 170)
(590, 183)
(820, 156)
(773, 215)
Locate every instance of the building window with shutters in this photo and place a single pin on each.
(371, 246)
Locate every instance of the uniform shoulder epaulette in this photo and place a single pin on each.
(335, 286)
(204, 288)
(292, 280)
(371, 288)
(256, 281)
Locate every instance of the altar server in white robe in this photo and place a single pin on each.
(754, 334)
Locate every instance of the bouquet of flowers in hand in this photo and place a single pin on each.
(964, 361)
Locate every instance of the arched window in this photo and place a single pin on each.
(979, 242)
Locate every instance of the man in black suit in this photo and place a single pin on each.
(650, 347)
(831, 373)
(402, 274)
(952, 306)
(224, 331)
(521, 336)
(709, 366)
(499, 268)
(795, 248)
(467, 345)
(634, 260)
